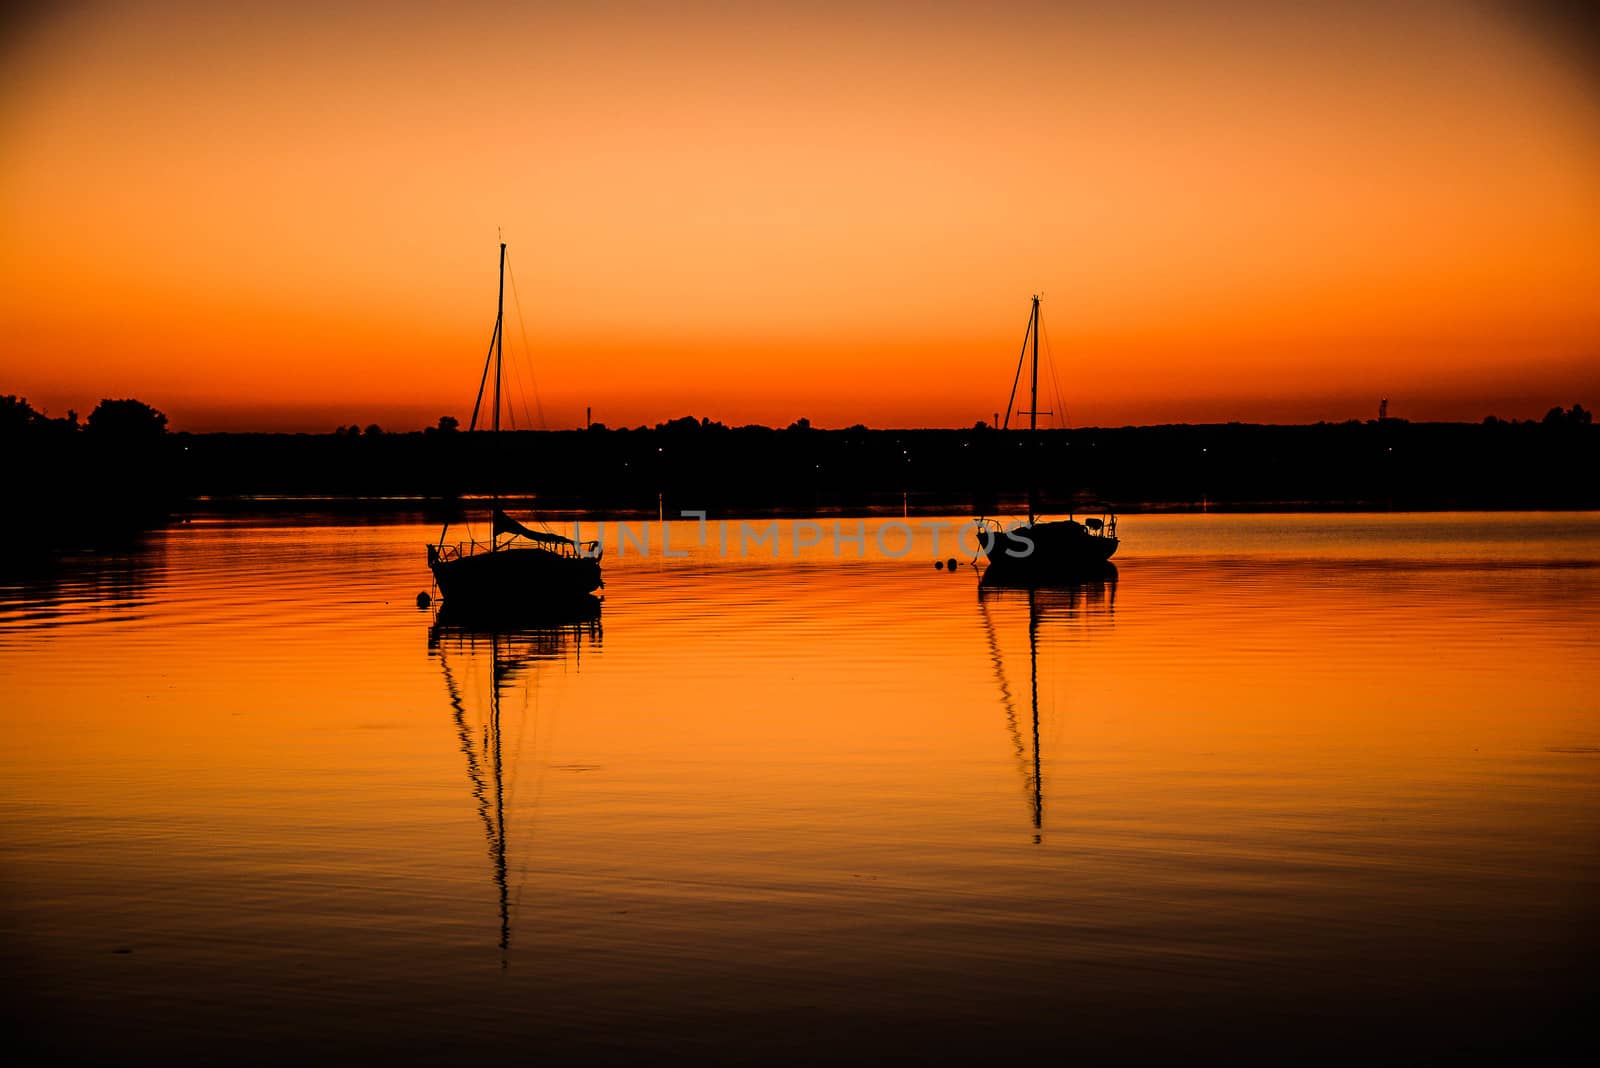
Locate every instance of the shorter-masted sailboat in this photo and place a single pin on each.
(519, 570)
(1039, 552)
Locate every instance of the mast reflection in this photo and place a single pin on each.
(514, 647)
(1092, 602)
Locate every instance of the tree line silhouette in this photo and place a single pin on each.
(122, 468)
(90, 481)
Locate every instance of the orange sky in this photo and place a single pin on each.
(285, 219)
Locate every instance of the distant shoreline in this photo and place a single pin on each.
(432, 508)
(1374, 466)
(75, 485)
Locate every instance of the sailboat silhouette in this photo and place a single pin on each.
(518, 568)
(1041, 552)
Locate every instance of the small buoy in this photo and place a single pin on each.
(423, 600)
(951, 563)
(938, 565)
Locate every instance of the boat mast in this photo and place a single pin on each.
(483, 381)
(1033, 420)
(499, 350)
(1033, 394)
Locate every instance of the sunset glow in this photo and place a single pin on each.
(261, 216)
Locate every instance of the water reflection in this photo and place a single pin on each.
(1093, 602)
(46, 591)
(510, 652)
(551, 617)
(795, 821)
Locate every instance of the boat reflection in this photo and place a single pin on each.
(1092, 603)
(1084, 575)
(554, 615)
(512, 653)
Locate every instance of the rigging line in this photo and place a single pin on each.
(484, 381)
(522, 325)
(524, 388)
(477, 404)
(1061, 404)
(522, 370)
(519, 379)
(516, 370)
(516, 389)
(1017, 378)
(530, 385)
(516, 394)
(1055, 380)
(508, 392)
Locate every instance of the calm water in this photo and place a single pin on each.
(1292, 787)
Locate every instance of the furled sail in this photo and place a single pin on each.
(504, 524)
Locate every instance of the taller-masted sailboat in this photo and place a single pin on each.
(1039, 552)
(519, 570)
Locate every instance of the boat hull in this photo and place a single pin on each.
(1061, 551)
(546, 616)
(522, 577)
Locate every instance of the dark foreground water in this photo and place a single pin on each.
(1291, 788)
